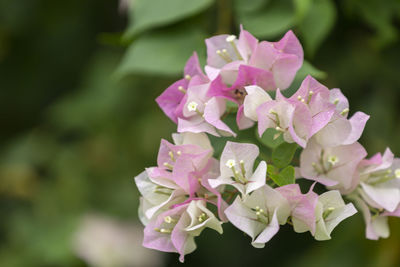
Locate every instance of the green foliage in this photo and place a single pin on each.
(317, 22)
(284, 177)
(163, 52)
(269, 138)
(147, 14)
(283, 154)
(270, 21)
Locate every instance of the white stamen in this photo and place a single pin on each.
(181, 89)
(230, 38)
(165, 231)
(299, 97)
(333, 160)
(179, 153)
(336, 101)
(397, 173)
(230, 163)
(344, 111)
(192, 106)
(188, 77)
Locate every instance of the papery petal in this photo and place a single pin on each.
(183, 242)
(247, 43)
(188, 138)
(170, 99)
(242, 121)
(211, 72)
(300, 125)
(270, 230)
(264, 56)
(193, 68)
(238, 151)
(248, 75)
(196, 125)
(388, 198)
(215, 108)
(336, 96)
(218, 43)
(357, 122)
(160, 241)
(325, 226)
(255, 97)
(244, 219)
(289, 44)
(284, 69)
(258, 178)
(335, 132)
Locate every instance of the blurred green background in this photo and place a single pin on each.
(78, 81)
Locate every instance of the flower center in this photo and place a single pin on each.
(192, 106)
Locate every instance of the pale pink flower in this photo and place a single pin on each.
(259, 214)
(236, 167)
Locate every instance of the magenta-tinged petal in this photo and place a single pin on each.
(218, 43)
(211, 72)
(170, 99)
(242, 121)
(300, 126)
(386, 197)
(264, 56)
(219, 89)
(192, 67)
(357, 121)
(266, 119)
(196, 125)
(303, 207)
(183, 242)
(322, 112)
(248, 75)
(160, 241)
(311, 84)
(336, 97)
(289, 44)
(395, 213)
(247, 43)
(378, 162)
(215, 108)
(285, 68)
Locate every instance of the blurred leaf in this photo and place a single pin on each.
(287, 176)
(271, 21)
(302, 7)
(268, 138)
(248, 6)
(380, 17)
(308, 69)
(146, 14)
(317, 23)
(283, 154)
(163, 53)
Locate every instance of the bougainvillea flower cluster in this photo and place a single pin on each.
(194, 187)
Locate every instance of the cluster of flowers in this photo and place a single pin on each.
(189, 190)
